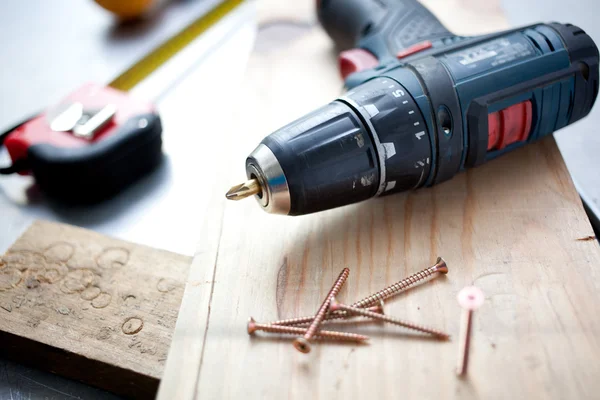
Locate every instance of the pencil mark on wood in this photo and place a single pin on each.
(59, 251)
(90, 293)
(165, 285)
(102, 300)
(6, 307)
(282, 277)
(9, 278)
(587, 239)
(132, 325)
(113, 257)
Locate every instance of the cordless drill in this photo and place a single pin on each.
(423, 104)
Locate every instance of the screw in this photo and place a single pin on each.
(470, 299)
(335, 306)
(253, 326)
(307, 320)
(440, 266)
(302, 343)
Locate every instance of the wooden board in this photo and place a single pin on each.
(90, 307)
(514, 227)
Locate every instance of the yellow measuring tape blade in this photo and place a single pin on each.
(149, 63)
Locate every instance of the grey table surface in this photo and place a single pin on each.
(62, 36)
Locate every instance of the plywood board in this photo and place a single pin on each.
(90, 307)
(514, 227)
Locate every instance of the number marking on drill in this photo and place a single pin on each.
(390, 185)
(411, 112)
(398, 93)
(405, 102)
(419, 135)
(416, 123)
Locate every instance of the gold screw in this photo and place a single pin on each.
(406, 283)
(335, 306)
(440, 266)
(302, 343)
(470, 299)
(307, 320)
(253, 326)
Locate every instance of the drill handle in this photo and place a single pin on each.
(382, 27)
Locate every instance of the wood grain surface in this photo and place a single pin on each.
(90, 307)
(514, 227)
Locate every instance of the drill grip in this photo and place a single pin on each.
(384, 27)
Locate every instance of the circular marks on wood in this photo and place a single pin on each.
(9, 278)
(54, 272)
(165, 285)
(59, 251)
(77, 281)
(129, 300)
(35, 268)
(132, 325)
(113, 257)
(102, 300)
(91, 293)
(25, 260)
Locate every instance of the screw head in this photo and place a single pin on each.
(380, 307)
(440, 266)
(470, 298)
(251, 326)
(302, 345)
(334, 305)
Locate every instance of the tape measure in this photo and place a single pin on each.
(148, 64)
(99, 140)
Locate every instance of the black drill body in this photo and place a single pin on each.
(432, 104)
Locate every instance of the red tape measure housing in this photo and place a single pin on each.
(94, 143)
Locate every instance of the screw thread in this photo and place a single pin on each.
(398, 286)
(395, 321)
(331, 316)
(320, 315)
(291, 330)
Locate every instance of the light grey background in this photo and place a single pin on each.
(43, 45)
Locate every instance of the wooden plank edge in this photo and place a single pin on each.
(71, 365)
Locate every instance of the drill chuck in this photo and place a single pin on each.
(370, 142)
